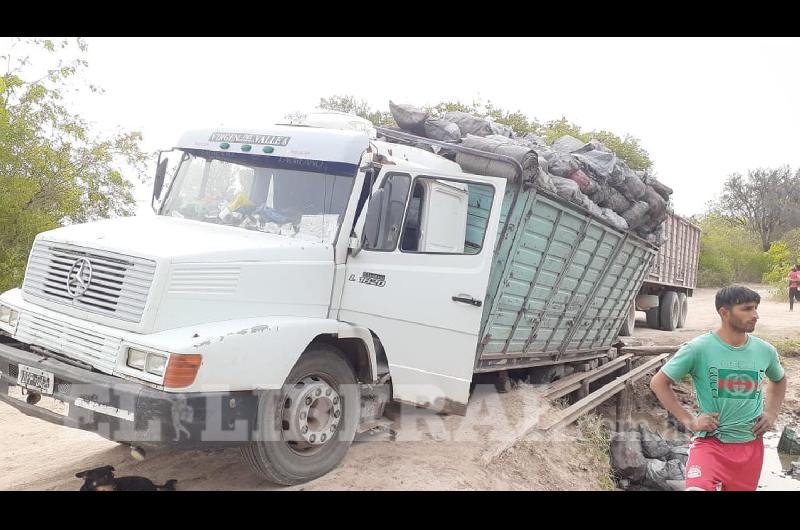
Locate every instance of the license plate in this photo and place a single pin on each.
(35, 379)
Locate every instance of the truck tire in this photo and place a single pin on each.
(653, 318)
(629, 323)
(305, 429)
(669, 311)
(683, 300)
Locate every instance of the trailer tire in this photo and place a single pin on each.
(282, 452)
(683, 300)
(669, 310)
(653, 318)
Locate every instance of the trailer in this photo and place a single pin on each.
(671, 279)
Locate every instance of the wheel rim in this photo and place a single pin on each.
(312, 412)
(676, 313)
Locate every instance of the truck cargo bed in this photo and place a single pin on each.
(561, 285)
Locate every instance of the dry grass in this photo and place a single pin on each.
(596, 438)
(787, 347)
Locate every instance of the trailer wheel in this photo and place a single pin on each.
(670, 310)
(306, 427)
(629, 323)
(683, 300)
(653, 318)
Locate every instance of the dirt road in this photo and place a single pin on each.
(429, 451)
(776, 324)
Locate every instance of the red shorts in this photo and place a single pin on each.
(714, 465)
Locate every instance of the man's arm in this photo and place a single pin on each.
(661, 385)
(773, 400)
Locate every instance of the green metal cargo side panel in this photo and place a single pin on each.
(561, 283)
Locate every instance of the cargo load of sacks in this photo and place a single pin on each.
(587, 174)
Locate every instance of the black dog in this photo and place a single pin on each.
(102, 479)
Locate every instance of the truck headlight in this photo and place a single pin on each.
(137, 358)
(150, 362)
(156, 364)
(8, 316)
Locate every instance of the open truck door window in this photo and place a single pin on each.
(431, 285)
(446, 217)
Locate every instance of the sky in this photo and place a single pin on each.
(702, 108)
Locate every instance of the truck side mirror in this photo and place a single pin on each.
(373, 220)
(161, 170)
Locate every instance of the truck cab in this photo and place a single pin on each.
(294, 280)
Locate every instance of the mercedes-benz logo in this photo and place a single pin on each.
(79, 277)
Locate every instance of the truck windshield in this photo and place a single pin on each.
(304, 199)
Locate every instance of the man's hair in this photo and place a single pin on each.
(734, 295)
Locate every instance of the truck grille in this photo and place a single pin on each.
(118, 288)
(81, 344)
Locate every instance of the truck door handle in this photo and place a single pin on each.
(467, 300)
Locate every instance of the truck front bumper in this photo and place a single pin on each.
(129, 412)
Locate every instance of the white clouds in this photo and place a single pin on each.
(703, 108)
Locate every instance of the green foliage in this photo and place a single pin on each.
(555, 129)
(729, 253)
(53, 169)
(628, 149)
(782, 255)
(517, 120)
(455, 106)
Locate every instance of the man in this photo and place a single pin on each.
(794, 280)
(727, 368)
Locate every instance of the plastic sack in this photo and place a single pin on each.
(618, 222)
(563, 165)
(442, 130)
(567, 144)
(636, 215)
(409, 118)
(469, 124)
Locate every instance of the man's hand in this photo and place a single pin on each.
(764, 423)
(704, 422)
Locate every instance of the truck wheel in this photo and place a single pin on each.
(683, 300)
(629, 323)
(305, 429)
(669, 310)
(653, 318)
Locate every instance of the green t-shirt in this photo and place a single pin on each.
(727, 380)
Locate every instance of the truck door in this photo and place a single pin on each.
(420, 279)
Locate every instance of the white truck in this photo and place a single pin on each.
(296, 280)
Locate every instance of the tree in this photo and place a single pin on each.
(728, 252)
(782, 256)
(765, 201)
(628, 149)
(517, 120)
(555, 129)
(53, 169)
(350, 105)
